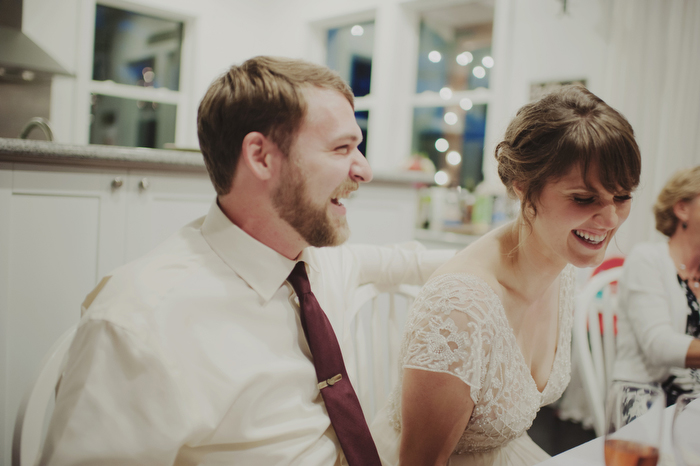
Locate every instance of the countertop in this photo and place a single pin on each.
(29, 151)
(52, 153)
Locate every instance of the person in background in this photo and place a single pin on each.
(658, 321)
(488, 341)
(224, 344)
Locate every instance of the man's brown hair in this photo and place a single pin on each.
(264, 94)
(570, 126)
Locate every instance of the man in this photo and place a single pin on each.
(197, 353)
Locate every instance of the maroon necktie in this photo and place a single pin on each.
(341, 401)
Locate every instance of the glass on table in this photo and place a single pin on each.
(634, 417)
(685, 434)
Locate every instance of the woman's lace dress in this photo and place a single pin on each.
(458, 326)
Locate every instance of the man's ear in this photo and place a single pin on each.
(260, 155)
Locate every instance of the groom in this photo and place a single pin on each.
(212, 348)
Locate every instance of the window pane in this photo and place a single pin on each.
(131, 123)
(453, 139)
(362, 118)
(350, 54)
(135, 49)
(455, 48)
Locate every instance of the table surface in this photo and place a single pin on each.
(591, 453)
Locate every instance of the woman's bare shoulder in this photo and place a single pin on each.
(481, 259)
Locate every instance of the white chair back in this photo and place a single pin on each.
(594, 340)
(379, 316)
(31, 420)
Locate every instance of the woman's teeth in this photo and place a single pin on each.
(593, 239)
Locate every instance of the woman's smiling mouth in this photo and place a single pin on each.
(590, 238)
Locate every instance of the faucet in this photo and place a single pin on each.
(42, 123)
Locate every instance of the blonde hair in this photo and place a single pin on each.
(567, 127)
(684, 185)
(264, 94)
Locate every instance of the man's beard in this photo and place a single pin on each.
(313, 223)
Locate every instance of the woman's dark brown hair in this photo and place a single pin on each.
(569, 127)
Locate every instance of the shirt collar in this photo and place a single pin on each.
(260, 266)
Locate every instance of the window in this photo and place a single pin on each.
(451, 100)
(349, 52)
(453, 139)
(135, 86)
(421, 73)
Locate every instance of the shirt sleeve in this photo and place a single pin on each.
(408, 263)
(649, 311)
(451, 330)
(118, 403)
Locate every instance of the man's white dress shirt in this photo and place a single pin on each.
(194, 353)
(652, 316)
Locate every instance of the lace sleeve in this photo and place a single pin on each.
(451, 329)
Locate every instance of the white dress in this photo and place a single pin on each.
(458, 326)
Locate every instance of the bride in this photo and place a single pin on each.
(488, 340)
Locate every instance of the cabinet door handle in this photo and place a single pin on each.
(117, 182)
(144, 183)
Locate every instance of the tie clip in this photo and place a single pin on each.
(331, 381)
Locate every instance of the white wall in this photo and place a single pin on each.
(536, 42)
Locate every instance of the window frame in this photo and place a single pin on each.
(86, 86)
(394, 78)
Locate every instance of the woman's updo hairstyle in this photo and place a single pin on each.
(684, 185)
(568, 127)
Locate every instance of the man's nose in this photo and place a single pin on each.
(360, 170)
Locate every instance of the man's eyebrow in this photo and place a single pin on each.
(347, 138)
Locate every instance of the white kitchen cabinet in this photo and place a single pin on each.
(5, 194)
(62, 230)
(159, 204)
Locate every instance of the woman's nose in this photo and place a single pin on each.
(607, 216)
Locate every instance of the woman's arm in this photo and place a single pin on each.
(649, 308)
(436, 408)
(692, 358)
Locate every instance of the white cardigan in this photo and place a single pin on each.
(652, 315)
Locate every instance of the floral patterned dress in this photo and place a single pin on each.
(458, 326)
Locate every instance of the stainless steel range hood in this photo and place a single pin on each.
(20, 57)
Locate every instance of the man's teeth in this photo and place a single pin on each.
(595, 239)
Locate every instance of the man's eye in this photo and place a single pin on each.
(343, 149)
(583, 200)
(624, 198)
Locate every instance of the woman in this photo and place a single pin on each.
(488, 340)
(658, 321)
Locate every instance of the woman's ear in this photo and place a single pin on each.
(519, 191)
(681, 210)
(260, 155)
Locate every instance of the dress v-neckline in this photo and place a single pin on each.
(514, 340)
